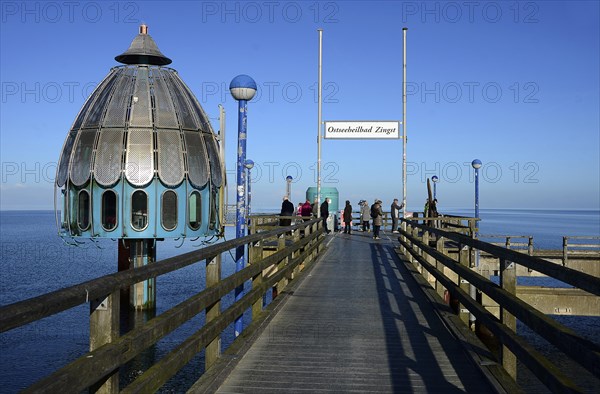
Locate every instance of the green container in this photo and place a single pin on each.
(326, 192)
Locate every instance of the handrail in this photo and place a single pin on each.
(584, 352)
(27, 311)
(99, 364)
(96, 364)
(579, 279)
(547, 371)
(508, 244)
(583, 248)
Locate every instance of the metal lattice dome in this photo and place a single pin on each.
(142, 129)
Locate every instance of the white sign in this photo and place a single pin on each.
(362, 129)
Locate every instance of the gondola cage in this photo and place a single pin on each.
(141, 160)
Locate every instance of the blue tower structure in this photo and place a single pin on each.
(141, 163)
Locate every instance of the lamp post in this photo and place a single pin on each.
(243, 89)
(435, 180)
(288, 187)
(476, 164)
(249, 165)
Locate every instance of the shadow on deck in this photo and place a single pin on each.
(357, 322)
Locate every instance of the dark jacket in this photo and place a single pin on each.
(395, 209)
(287, 208)
(348, 213)
(378, 219)
(324, 209)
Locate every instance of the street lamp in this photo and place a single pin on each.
(288, 187)
(249, 164)
(476, 165)
(435, 180)
(243, 89)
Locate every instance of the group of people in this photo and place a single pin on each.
(305, 210)
(368, 213)
(374, 213)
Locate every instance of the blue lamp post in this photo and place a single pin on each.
(243, 89)
(288, 188)
(476, 164)
(435, 180)
(249, 164)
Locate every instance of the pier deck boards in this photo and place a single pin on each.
(359, 323)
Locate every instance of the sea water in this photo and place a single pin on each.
(34, 260)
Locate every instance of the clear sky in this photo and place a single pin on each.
(514, 84)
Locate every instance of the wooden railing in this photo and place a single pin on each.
(509, 243)
(467, 286)
(578, 248)
(100, 366)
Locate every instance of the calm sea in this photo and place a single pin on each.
(34, 261)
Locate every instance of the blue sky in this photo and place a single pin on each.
(514, 84)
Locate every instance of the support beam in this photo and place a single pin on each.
(104, 328)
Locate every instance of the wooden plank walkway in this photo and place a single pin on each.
(359, 323)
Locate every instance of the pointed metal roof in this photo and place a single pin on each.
(143, 50)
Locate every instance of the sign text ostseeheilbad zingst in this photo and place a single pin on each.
(363, 129)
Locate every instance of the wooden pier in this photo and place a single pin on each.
(358, 323)
(407, 313)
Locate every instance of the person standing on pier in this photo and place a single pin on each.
(315, 207)
(325, 214)
(377, 216)
(306, 210)
(364, 215)
(287, 209)
(348, 218)
(395, 209)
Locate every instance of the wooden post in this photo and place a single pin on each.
(213, 277)
(427, 257)
(295, 239)
(508, 281)
(415, 234)
(283, 282)
(104, 328)
(565, 251)
(254, 256)
(403, 226)
(463, 259)
(143, 294)
(439, 245)
(309, 257)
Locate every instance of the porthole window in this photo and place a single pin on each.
(109, 210)
(65, 210)
(83, 210)
(213, 210)
(195, 210)
(139, 210)
(169, 210)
